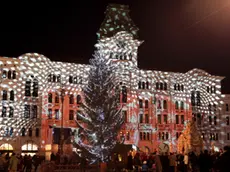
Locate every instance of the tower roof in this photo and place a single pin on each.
(117, 19)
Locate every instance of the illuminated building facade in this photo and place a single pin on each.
(156, 104)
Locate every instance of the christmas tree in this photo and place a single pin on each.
(101, 118)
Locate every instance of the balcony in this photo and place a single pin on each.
(179, 126)
(129, 126)
(147, 126)
(163, 126)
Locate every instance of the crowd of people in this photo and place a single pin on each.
(187, 162)
(18, 163)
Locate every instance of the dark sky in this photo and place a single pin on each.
(179, 35)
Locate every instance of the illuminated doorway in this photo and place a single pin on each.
(6, 148)
(30, 148)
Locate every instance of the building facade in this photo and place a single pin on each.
(39, 96)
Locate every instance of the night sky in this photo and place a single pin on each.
(179, 35)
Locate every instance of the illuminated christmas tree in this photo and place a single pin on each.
(101, 118)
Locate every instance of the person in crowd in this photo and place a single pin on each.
(205, 161)
(224, 160)
(2, 163)
(13, 164)
(137, 162)
(130, 162)
(144, 167)
(172, 162)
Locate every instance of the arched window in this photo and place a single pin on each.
(75, 80)
(175, 87)
(11, 112)
(210, 120)
(177, 105)
(159, 104)
(178, 87)
(146, 104)
(141, 118)
(23, 131)
(146, 118)
(6, 146)
(4, 73)
(227, 120)
(70, 79)
(30, 132)
(27, 88)
(147, 85)
(78, 99)
(161, 86)
(143, 85)
(139, 85)
(54, 78)
(14, 74)
(140, 103)
(4, 95)
(35, 88)
(144, 136)
(3, 111)
(27, 111)
(59, 78)
(9, 74)
(56, 98)
(29, 148)
(12, 95)
(124, 94)
(165, 86)
(165, 104)
(157, 85)
(182, 105)
(50, 98)
(71, 99)
(215, 120)
(182, 87)
(34, 111)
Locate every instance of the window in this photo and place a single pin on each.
(167, 135)
(159, 119)
(146, 104)
(140, 103)
(50, 98)
(56, 98)
(78, 99)
(227, 120)
(9, 74)
(11, 131)
(4, 74)
(203, 136)
(214, 107)
(59, 78)
(176, 105)
(139, 85)
(141, 137)
(157, 85)
(27, 88)
(182, 105)
(210, 120)
(165, 119)
(227, 109)
(125, 116)
(34, 111)
(143, 85)
(177, 119)
(30, 132)
(193, 100)
(165, 86)
(124, 94)
(27, 111)
(35, 88)
(141, 118)
(182, 87)
(71, 115)
(3, 111)
(71, 79)
(148, 136)
(144, 136)
(216, 136)
(14, 74)
(165, 104)
(49, 113)
(215, 120)
(4, 95)
(228, 136)
(161, 86)
(147, 85)
(146, 118)
(159, 136)
(162, 135)
(23, 131)
(198, 99)
(37, 132)
(56, 114)
(12, 95)
(11, 113)
(159, 104)
(71, 99)
(208, 90)
(199, 119)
